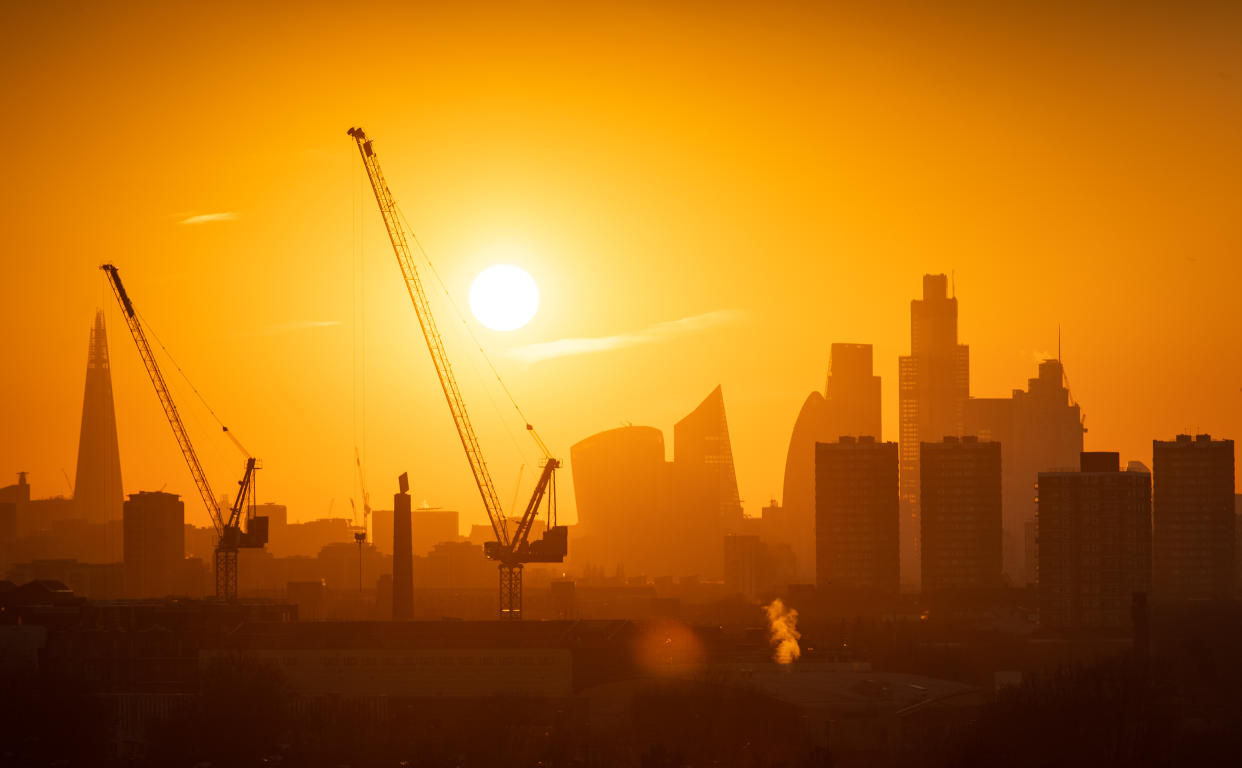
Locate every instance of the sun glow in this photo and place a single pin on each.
(504, 297)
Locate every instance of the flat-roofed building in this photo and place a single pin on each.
(856, 517)
(1094, 543)
(960, 501)
(1193, 536)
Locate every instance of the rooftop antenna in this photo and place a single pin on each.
(953, 283)
(1058, 342)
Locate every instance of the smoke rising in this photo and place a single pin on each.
(783, 632)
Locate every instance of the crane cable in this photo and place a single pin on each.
(194, 389)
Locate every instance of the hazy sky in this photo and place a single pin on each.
(727, 189)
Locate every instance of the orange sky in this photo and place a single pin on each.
(792, 168)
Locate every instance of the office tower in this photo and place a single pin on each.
(402, 554)
(852, 392)
(850, 405)
(856, 517)
(704, 458)
(1193, 534)
(153, 535)
(932, 391)
(1237, 547)
(8, 523)
(1040, 430)
(960, 513)
(432, 525)
(618, 478)
(277, 526)
(743, 560)
(1094, 543)
(97, 485)
(651, 516)
(381, 530)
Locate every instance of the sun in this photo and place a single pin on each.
(504, 297)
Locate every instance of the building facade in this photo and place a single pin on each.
(1193, 524)
(655, 517)
(1095, 545)
(1040, 430)
(97, 485)
(153, 535)
(932, 392)
(960, 505)
(848, 406)
(856, 517)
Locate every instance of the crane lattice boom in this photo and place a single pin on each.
(165, 398)
(435, 344)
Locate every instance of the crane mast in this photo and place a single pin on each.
(510, 549)
(228, 529)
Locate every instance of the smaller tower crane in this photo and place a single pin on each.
(228, 523)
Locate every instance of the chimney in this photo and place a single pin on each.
(402, 553)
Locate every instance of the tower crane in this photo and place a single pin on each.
(228, 522)
(511, 548)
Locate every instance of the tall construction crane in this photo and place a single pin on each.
(511, 549)
(228, 525)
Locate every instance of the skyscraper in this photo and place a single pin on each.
(1094, 543)
(1039, 430)
(850, 405)
(702, 451)
(704, 499)
(653, 516)
(97, 487)
(154, 542)
(932, 391)
(856, 511)
(1193, 537)
(852, 392)
(618, 485)
(960, 506)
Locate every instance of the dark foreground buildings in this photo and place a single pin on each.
(1094, 544)
(1194, 539)
(856, 518)
(961, 517)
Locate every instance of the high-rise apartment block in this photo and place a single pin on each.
(960, 514)
(1040, 430)
(856, 511)
(1193, 518)
(1094, 544)
(932, 392)
(153, 534)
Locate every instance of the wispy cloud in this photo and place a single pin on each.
(205, 218)
(300, 325)
(533, 353)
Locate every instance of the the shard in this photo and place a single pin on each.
(97, 486)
